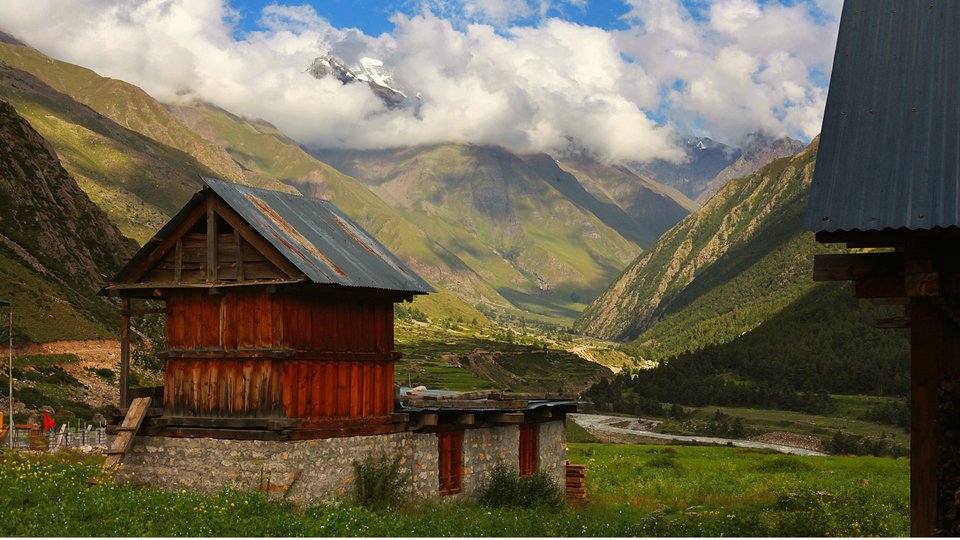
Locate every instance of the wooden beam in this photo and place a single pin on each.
(466, 419)
(904, 301)
(272, 424)
(145, 311)
(508, 418)
(124, 351)
(178, 260)
(541, 412)
(422, 420)
(922, 284)
(465, 403)
(880, 287)
(239, 243)
(226, 353)
(851, 266)
(211, 242)
(893, 322)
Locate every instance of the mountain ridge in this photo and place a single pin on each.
(56, 245)
(683, 266)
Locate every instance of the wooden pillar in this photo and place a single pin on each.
(124, 351)
(924, 355)
(211, 242)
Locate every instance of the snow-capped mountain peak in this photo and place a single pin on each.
(367, 70)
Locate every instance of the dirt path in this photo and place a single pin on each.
(93, 354)
(600, 425)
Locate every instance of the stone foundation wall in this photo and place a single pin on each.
(484, 448)
(553, 450)
(322, 470)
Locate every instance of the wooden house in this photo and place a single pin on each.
(279, 316)
(887, 183)
(279, 361)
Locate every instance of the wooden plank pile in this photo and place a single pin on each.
(480, 399)
(576, 482)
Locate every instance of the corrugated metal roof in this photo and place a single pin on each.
(325, 244)
(890, 146)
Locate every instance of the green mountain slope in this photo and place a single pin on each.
(137, 181)
(56, 246)
(525, 225)
(654, 207)
(123, 103)
(719, 273)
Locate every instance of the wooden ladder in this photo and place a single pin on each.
(125, 433)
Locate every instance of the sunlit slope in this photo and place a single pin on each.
(720, 272)
(526, 226)
(137, 181)
(654, 207)
(56, 246)
(122, 102)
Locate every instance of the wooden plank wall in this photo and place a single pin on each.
(257, 354)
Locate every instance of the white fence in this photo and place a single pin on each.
(87, 437)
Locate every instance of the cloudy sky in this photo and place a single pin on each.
(620, 78)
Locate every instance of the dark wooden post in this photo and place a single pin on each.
(124, 351)
(925, 330)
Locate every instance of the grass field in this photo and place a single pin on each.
(634, 491)
(845, 418)
(435, 357)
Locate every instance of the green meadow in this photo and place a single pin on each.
(634, 490)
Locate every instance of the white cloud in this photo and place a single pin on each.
(744, 67)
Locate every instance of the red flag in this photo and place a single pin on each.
(48, 422)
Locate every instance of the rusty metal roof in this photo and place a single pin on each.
(889, 153)
(325, 244)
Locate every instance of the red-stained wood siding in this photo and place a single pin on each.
(529, 449)
(265, 355)
(450, 462)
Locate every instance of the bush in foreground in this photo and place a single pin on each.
(505, 488)
(378, 482)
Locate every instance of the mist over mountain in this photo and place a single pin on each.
(710, 164)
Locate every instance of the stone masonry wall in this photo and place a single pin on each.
(322, 470)
(484, 448)
(553, 450)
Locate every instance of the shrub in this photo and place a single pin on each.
(894, 413)
(663, 462)
(378, 482)
(106, 374)
(858, 445)
(56, 375)
(784, 464)
(506, 488)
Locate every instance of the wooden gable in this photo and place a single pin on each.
(206, 245)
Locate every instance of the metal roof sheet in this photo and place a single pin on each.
(325, 244)
(889, 153)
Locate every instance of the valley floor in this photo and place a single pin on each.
(603, 426)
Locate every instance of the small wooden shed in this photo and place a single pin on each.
(887, 183)
(279, 318)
